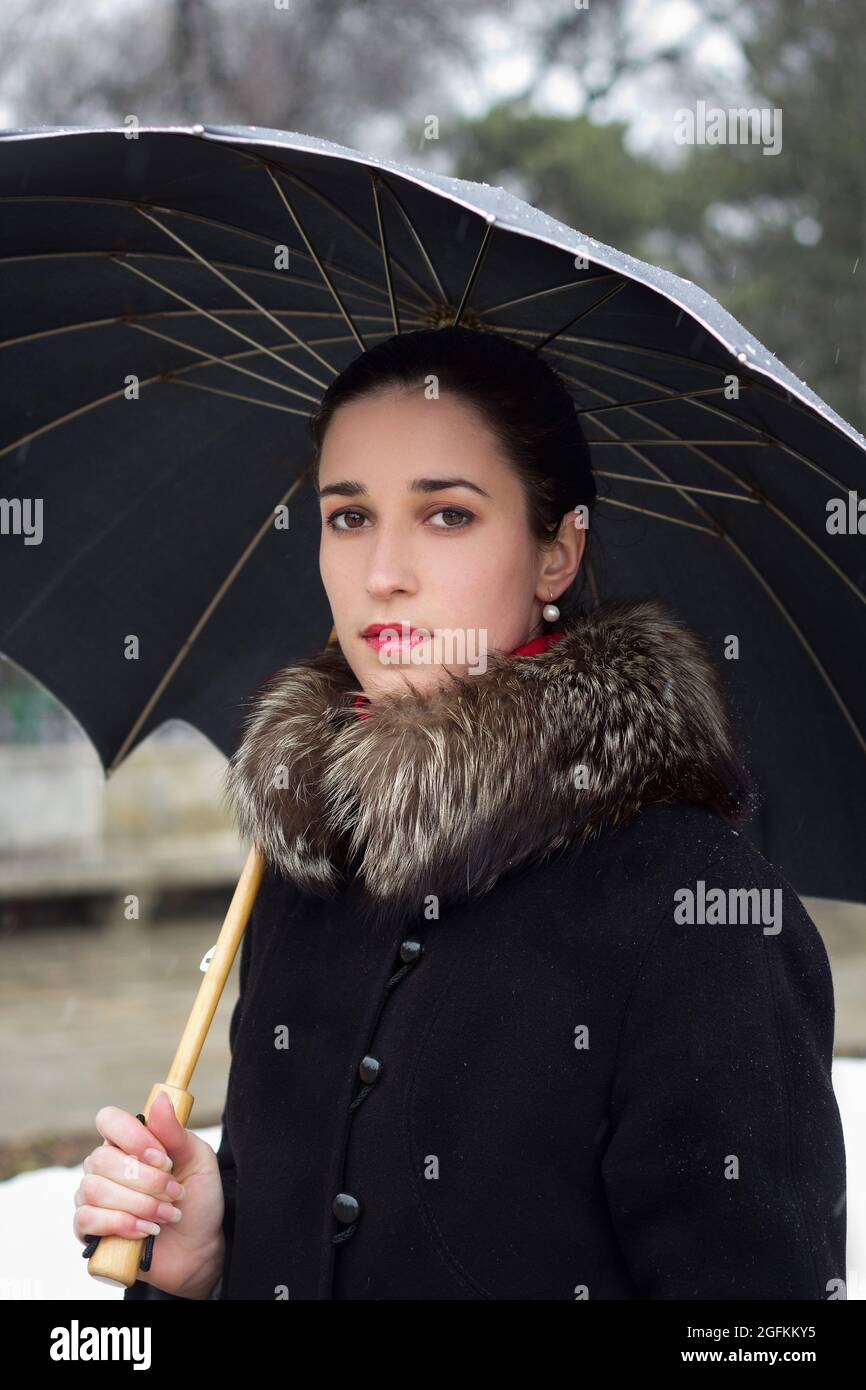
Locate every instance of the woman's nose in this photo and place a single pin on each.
(390, 568)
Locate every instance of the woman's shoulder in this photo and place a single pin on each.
(675, 841)
(676, 869)
(715, 909)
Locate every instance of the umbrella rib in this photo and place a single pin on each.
(162, 376)
(726, 443)
(133, 320)
(789, 521)
(619, 346)
(201, 623)
(383, 242)
(764, 582)
(542, 294)
(801, 636)
(754, 383)
(229, 265)
(250, 299)
(132, 203)
(350, 221)
(559, 351)
(322, 271)
(422, 250)
(235, 395)
(686, 487)
(662, 516)
(582, 314)
(757, 493)
(659, 400)
(73, 415)
(643, 380)
(214, 360)
(206, 313)
(473, 274)
(210, 359)
(702, 405)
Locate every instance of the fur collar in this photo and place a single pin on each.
(442, 792)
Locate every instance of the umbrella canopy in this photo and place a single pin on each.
(175, 301)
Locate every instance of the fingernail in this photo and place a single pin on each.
(149, 1228)
(158, 1159)
(168, 1213)
(175, 1189)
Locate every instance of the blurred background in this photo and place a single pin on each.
(570, 105)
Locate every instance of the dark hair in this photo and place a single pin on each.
(521, 398)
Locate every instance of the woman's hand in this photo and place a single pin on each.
(129, 1189)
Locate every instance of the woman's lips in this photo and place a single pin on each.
(397, 639)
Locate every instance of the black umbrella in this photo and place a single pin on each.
(174, 302)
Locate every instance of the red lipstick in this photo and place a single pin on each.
(393, 635)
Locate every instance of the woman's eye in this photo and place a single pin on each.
(465, 517)
(338, 516)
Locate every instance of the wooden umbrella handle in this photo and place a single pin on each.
(116, 1259)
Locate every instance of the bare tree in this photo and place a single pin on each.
(323, 66)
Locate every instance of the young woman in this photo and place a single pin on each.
(523, 1015)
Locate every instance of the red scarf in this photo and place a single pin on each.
(538, 644)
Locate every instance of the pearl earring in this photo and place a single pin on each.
(550, 612)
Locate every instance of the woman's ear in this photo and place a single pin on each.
(563, 559)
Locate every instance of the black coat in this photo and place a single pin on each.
(556, 1089)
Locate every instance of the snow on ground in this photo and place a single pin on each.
(41, 1258)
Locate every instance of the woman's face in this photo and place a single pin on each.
(424, 525)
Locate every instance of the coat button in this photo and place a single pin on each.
(410, 950)
(346, 1208)
(369, 1069)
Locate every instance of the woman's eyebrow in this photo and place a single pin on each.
(349, 488)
